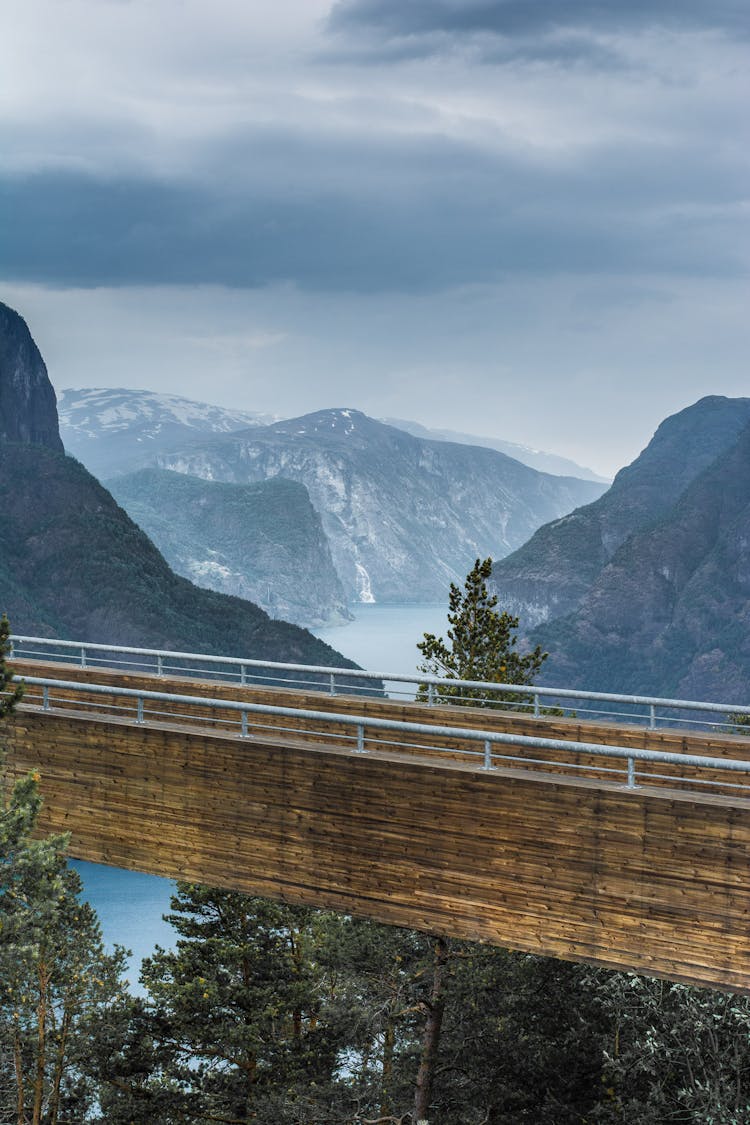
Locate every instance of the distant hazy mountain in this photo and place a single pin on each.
(536, 458)
(669, 613)
(403, 516)
(73, 564)
(261, 541)
(549, 576)
(116, 430)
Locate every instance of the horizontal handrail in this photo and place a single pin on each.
(360, 723)
(538, 693)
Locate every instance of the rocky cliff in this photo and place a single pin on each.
(669, 613)
(551, 574)
(28, 409)
(261, 541)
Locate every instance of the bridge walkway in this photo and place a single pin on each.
(549, 851)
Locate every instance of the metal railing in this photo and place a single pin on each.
(638, 709)
(493, 748)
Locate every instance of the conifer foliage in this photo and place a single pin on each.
(481, 646)
(55, 976)
(10, 693)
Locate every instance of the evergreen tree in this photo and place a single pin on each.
(481, 646)
(10, 693)
(54, 973)
(245, 1021)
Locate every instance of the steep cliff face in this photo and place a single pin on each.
(28, 409)
(73, 564)
(669, 614)
(404, 516)
(261, 541)
(550, 575)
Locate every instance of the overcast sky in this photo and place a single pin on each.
(524, 218)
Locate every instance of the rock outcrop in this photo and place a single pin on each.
(262, 541)
(551, 574)
(669, 613)
(28, 409)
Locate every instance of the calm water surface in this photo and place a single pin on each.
(130, 905)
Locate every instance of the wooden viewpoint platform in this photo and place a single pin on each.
(654, 879)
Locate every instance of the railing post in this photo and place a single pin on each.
(159, 665)
(536, 704)
(243, 680)
(360, 739)
(11, 650)
(139, 709)
(45, 698)
(430, 695)
(652, 717)
(243, 728)
(83, 657)
(631, 774)
(333, 684)
(487, 755)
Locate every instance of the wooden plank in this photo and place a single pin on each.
(651, 879)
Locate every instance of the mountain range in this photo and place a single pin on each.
(72, 562)
(403, 516)
(115, 430)
(647, 590)
(534, 458)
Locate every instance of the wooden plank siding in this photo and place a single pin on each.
(654, 879)
(673, 740)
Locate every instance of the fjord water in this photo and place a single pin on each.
(130, 905)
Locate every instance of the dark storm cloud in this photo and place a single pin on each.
(394, 218)
(525, 17)
(571, 33)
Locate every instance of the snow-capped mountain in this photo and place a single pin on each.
(404, 516)
(113, 430)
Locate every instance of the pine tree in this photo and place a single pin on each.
(54, 973)
(481, 646)
(10, 694)
(246, 1023)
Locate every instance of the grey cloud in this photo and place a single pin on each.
(413, 216)
(577, 33)
(523, 17)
